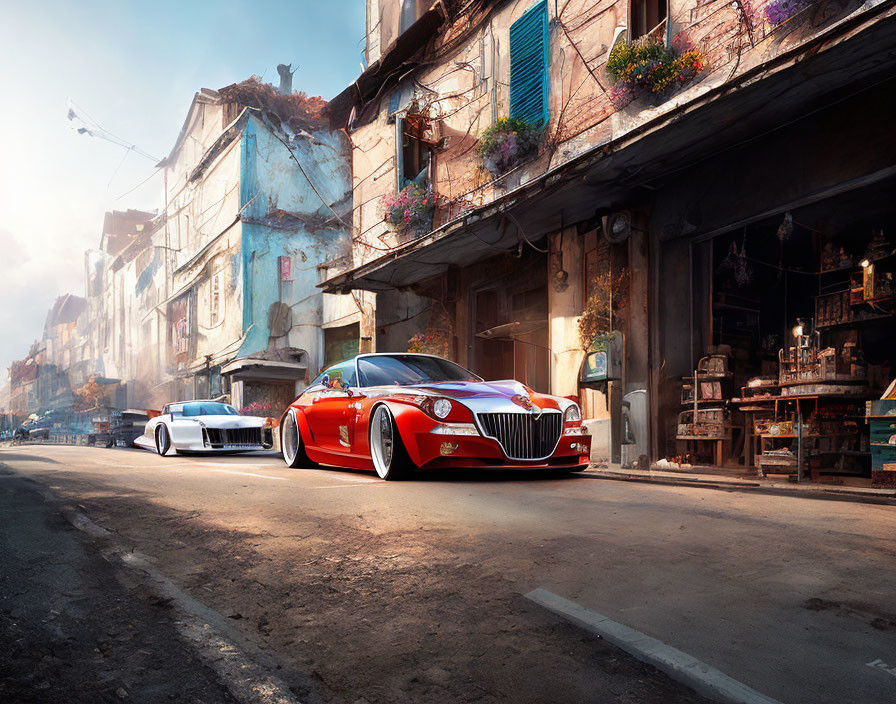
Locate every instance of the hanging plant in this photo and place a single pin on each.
(507, 143)
(607, 296)
(256, 409)
(648, 68)
(411, 210)
(779, 11)
(432, 341)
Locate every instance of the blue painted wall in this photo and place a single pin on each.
(283, 214)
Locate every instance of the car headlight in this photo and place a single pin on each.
(572, 414)
(441, 408)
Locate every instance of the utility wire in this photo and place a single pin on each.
(77, 115)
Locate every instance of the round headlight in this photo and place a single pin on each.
(441, 408)
(572, 413)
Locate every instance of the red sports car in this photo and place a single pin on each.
(396, 412)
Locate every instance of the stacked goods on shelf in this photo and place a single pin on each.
(705, 395)
(864, 294)
(881, 416)
(704, 424)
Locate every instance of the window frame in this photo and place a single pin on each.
(515, 107)
(662, 4)
(215, 298)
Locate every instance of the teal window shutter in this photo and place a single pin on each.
(529, 65)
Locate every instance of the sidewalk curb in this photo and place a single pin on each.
(681, 667)
(747, 487)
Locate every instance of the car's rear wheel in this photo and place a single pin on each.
(163, 440)
(390, 459)
(291, 445)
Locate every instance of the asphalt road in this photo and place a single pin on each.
(412, 591)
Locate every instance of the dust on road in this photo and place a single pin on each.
(355, 614)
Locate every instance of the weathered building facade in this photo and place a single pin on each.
(123, 282)
(217, 292)
(749, 114)
(256, 189)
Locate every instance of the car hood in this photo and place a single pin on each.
(227, 421)
(483, 394)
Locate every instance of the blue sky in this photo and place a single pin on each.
(134, 67)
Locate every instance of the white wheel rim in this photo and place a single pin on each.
(381, 441)
(291, 438)
(163, 440)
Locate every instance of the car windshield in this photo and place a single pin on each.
(203, 408)
(407, 369)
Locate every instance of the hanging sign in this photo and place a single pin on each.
(603, 363)
(285, 268)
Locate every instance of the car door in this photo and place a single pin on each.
(350, 440)
(326, 411)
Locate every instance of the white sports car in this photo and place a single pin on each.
(205, 426)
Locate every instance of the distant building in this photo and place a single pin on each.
(257, 197)
(64, 339)
(124, 282)
(36, 385)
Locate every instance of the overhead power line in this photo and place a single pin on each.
(82, 123)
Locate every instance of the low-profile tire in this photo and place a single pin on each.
(292, 447)
(390, 458)
(163, 440)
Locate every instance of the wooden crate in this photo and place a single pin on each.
(884, 477)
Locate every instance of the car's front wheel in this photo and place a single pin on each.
(163, 440)
(390, 459)
(291, 445)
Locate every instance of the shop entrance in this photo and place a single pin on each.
(510, 327)
(795, 328)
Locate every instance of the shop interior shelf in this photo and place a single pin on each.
(854, 321)
(833, 379)
(800, 397)
(777, 460)
(806, 436)
(703, 437)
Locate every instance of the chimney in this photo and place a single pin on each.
(285, 78)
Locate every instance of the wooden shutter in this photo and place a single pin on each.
(529, 65)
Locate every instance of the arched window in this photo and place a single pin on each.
(408, 16)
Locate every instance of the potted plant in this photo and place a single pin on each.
(607, 296)
(507, 143)
(432, 341)
(779, 11)
(648, 68)
(411, 210)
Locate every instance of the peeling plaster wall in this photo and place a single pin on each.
(289, 211)
(205, 240)
(465, 90)
(564, 309)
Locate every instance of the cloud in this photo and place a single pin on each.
(31, 277)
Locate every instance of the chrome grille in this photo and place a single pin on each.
(523, 436)
(234, 436)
